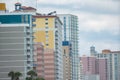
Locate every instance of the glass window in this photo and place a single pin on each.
(28, 44)
(33, 19)
(28, 67)
(64, 51)
(27, 27)
(64, 17)
(28, 39)
(46, 27)
(28, 56)
(26, 18)
(47, 44)
(28, 62)
(28, 33)
(28, 50)
(46, 31)
(46, 23)
(46, 19)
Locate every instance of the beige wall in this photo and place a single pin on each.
(66, 63)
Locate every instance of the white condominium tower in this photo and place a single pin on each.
(70, 33)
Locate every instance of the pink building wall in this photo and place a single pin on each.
(88, 65)
(39, 57)
(102, 68)
(45, 61)
(49, 64)
(94, 66)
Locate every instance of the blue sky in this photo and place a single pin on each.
(99, 20)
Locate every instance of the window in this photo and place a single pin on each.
(46, 31)
(33, 19)
(28, 44)
(28, 62)
(28, 39)
(28, 56)
(64, 17)
(27, 27)
(26, 18)
(46, 27)
(47, 44)
(22, 18)
(28, 67)
(28, 50)
(33, 25)
(28, 33)
(56, 26)
(46, 19)
(115, 54)
(46, 23)
(64, 51)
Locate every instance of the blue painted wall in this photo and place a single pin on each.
(65, 43)
(7, 19)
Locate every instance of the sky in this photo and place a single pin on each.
(99, 20)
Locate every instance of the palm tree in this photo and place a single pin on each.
(11, 74)
(32, 74)
(17, 75)
(28, 78)
(14, 75)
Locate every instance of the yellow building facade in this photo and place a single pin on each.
(48, 30)
(45, 30)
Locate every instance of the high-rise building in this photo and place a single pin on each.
(48, 31)
(50, 69)
(67, 60)
(92, 51)
(16, 44)
(91, 77)
(93, 67)
(89, 64)
(81, 74)
(45, 63)
(113, 63)
(101, 68)
(39, 58)
(70, 33)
